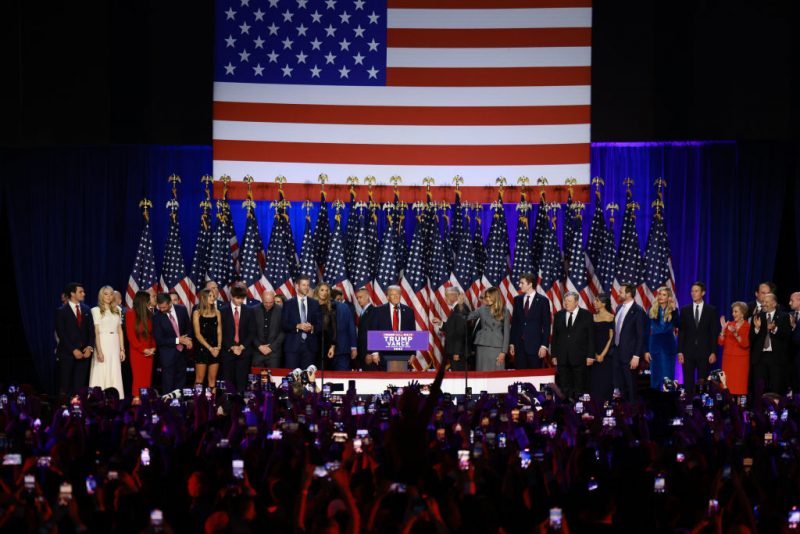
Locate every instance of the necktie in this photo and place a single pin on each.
(396, 318)
(569, 320)
(303, 316)
(78, 316)
(527, 304)
(767, 340)
(177, 331)
(696, 314)
(618, 325)
(236, 324)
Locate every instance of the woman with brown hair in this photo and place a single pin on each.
(494, 329)
(139, 329)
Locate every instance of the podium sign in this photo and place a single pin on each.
(403, 340)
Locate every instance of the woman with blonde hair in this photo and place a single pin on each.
(494, 330)
(662, 348)
(207, 324)
(328, 309)
(110, 343)
(735, 341)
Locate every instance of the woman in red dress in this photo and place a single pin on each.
(139, 331)
(735, 341)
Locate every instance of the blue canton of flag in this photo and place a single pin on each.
(570, 228)
(310, 42)
(464, 268)
(581, 277)
(629, 255)
(551, 268)
(596, 241)
(523, 255)
(202, 251)
(322, 234)
(289, 244)
(308, 262)
(173, 270)
(478, 248)
(539, 231)
(373, 244)
(335, 270)
(252, 276)
(387, 266)
(277, 272)
(497, 273)
(608, 261)
(143, 275)
(657, 262)
(361, 275)
(221, 268)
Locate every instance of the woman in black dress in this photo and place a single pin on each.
(207, 324)
(328, 308)
(601, 370)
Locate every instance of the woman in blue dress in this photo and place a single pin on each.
(662, 348)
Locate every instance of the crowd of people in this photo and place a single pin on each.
(292, 455)
(591, 352)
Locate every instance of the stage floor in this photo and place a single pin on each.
(375, 383)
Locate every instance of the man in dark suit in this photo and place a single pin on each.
(171, 327)
(268, 342)
(455, 330)
(630, 342)
(794, 319)
(345, 350)
(754, 307)
(301, 320)
(391, 316)
(75, 333)
(572, 346)
(530, 326)
(697, 338)
(771, 335)
(362, 324)
(238, 332)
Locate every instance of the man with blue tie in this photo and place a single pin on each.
(301, 320)
(171, 333)
(530, 326)
(630, 342)
(75, 332)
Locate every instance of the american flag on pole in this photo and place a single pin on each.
(551, 268)
(580, 274)
(336, 271)
(388, 270)
(496, 272)
(308, 261)
(173, 270)
(629, 255)
(465, 269)
(596, 240)
(252, 275)
(277, 272)
(221, 266)
(479, 249)
(658, 260)
(539, 231)
(362, 274)
(523, 255)
(608, 261)
(402, 245)
(439, 280)
(570, 227)
(143, 275)
(379, 87)
(322, 234)
(414, 283)
(202, 247)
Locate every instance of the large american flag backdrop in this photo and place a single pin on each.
(478, 88)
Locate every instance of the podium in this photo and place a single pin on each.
(397, 346)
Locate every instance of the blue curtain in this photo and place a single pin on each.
(73, 215)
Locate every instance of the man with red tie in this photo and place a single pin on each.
(238, 332)
(530, 326)
(171, 332)
(391, 316)
(75, 333)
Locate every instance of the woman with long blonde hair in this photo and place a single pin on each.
(662, 323)
(110, 343)
(494, 330)
(207, 323)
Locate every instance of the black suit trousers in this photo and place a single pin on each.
(694, 364)
(235, 370)
(572, 380)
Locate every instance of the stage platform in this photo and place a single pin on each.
(375, 383)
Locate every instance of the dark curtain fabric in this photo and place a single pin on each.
(73, 215)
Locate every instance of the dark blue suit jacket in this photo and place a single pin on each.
(346, 337)
(164, 334)
(70, 337)
(632, 335)
(532, 330)
(293, 341)
(247, 327)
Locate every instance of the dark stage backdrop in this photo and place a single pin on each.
(73, 215)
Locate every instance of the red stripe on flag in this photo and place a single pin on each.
(485, 4)
(402, 115)
(487, 38)
(487, 77)
(402, 154)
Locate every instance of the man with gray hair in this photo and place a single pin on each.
(770, 336)
(572, 346)
(268, 342)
